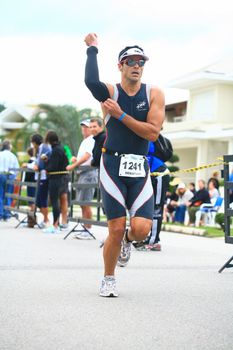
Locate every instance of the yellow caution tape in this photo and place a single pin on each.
(189, 170)
(58, 172)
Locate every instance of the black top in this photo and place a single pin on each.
(201, 196)
(30, 175)
(97, 150)
(58, 160)
(119, 137)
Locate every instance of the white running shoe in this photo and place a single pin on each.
(108, 287)
(125, 253)
(64, 226)
(83, 235)
(44, 224)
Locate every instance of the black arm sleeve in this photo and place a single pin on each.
(98, 89)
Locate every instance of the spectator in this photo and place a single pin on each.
(84, 157)
(192, 188)
(213, 194)
(99, 135)
(216, 177)
(169, 209)
(41, 150)
(58, 181)
(213, 191)
(8, 161)
(171, 195)
(30, 177)
(201, 196)
(184, 195)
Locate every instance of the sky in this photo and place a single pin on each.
(43, 52)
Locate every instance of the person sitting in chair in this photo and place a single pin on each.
(201, 196)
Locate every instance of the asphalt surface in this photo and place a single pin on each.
(173, 299)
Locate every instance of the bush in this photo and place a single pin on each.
(174, 159)
(173, 168)
(219, 219)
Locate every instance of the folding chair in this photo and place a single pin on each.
(209, 211)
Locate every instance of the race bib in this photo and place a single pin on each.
(132, 165)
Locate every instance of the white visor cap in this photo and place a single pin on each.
(133, 52)
(85, 122)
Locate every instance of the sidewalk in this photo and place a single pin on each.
(174, 299)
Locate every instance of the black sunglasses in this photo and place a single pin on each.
(131, 62)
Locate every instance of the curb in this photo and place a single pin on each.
(186, 230)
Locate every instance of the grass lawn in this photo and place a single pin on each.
(213, 231)
(209, 231)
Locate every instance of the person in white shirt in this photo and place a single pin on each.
(83, 158)
(184, 196)
(8, 161)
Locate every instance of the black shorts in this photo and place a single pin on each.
(59, 184)
(120, 193)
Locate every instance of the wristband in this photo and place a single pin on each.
(122, 116)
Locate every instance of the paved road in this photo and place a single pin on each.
(174, 299)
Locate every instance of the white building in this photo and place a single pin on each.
(201, 129)
(14, 118)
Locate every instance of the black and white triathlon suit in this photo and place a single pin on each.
(121, 193)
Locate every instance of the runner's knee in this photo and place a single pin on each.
(141, 230)
(116, 233)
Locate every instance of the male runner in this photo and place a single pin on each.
(134, 114)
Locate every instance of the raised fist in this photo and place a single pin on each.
(91, 39)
